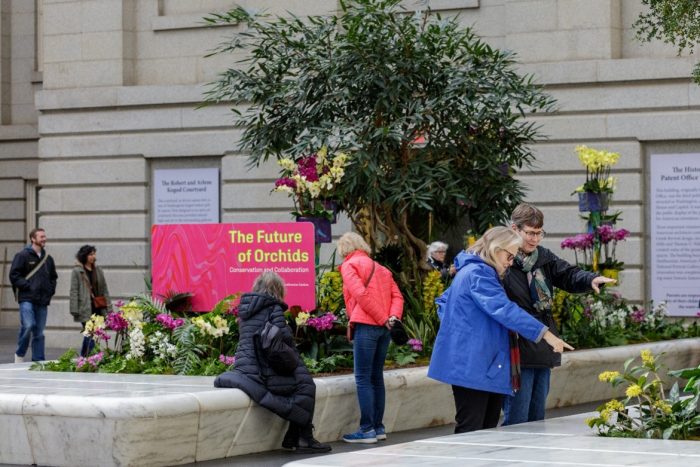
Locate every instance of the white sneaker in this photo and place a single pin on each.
(19, 359)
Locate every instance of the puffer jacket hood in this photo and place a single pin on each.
(253, 303)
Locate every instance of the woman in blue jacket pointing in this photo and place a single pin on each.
(473, 349)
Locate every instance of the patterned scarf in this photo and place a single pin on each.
(541, 299)
(539, 291)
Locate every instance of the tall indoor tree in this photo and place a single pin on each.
(675, 22)
(432, 115)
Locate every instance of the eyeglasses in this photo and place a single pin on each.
(509, 256)
(532, 234)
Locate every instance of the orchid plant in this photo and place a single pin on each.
(597, 164)
(312, 181)
(608, 238)
(604, 238)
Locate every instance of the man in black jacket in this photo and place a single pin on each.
(33, 277)
(530, 283)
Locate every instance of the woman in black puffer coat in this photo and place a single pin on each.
(292, 397)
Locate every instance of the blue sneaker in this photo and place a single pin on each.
(364, 437)
(381, 433)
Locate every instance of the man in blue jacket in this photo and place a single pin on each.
(33, 277)
(530, 283)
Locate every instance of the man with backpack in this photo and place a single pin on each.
(33, 277)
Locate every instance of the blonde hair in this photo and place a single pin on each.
(351, 241)
(270, 283)
(495, 239)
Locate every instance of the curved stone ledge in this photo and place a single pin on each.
(103, 419)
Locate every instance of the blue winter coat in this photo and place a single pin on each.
(472, 348)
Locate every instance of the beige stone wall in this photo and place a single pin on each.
(18, 138)
(121, 79)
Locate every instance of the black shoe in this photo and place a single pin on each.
(311, 446)
(291, 437)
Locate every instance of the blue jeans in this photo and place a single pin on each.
(370, 344)
(528, 404)
(32, 323)
(88, 343)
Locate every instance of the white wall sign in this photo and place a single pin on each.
(186, 196)
(675, 232)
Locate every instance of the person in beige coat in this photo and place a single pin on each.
(87, 282)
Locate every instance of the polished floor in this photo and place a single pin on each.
(564, 441)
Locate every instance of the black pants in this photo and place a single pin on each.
(476, 410)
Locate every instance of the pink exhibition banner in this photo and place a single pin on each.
(213, 261)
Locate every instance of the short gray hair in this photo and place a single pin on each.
(270, 283)
(436, 246)
(351, 241)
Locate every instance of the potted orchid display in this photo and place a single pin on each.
(597, 249)
(312, 182)
(594, 194)
(608, 237)
(583, 244)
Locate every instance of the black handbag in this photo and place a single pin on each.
(279, 355)
(398, 332)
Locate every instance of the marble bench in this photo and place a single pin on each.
(110, 419)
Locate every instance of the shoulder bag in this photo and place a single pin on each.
(98, 301)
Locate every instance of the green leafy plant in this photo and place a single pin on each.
(329, 295)
(401, 355)
(607, 319)
(65, 362)
(432, 115)
(647, 412)
(331, 363)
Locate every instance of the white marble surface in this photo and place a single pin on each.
(60, 418)
(564, 441)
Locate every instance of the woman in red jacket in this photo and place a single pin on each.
(372, 302)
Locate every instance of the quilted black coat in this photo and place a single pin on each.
(290, 397)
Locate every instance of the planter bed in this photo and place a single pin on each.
(113, 419)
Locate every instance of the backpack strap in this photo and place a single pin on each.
(37, 267)
(15, 291)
